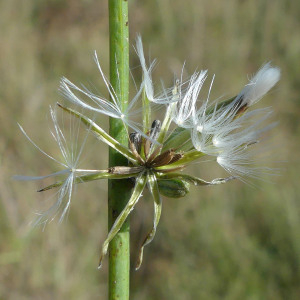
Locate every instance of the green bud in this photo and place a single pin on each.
(178, 140)
(173, 188)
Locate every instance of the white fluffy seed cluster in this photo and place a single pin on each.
(221, 130)
(226, 130)
(214, 129)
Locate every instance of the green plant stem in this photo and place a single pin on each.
(119, 190)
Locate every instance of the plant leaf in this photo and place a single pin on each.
(153, 188)
(101, 134)
(136, 194)
(194, 180)
(103, 174)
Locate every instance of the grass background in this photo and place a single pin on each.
(227, 242)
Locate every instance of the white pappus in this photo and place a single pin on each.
(71, 152)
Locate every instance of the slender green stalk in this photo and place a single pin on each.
(146, 112)
(119, 190)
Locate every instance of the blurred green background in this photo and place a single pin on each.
(227, 242)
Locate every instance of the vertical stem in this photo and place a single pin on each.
(146, 112)
(119, 190)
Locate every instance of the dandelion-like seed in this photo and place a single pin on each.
(223, 130)
(72, 174)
